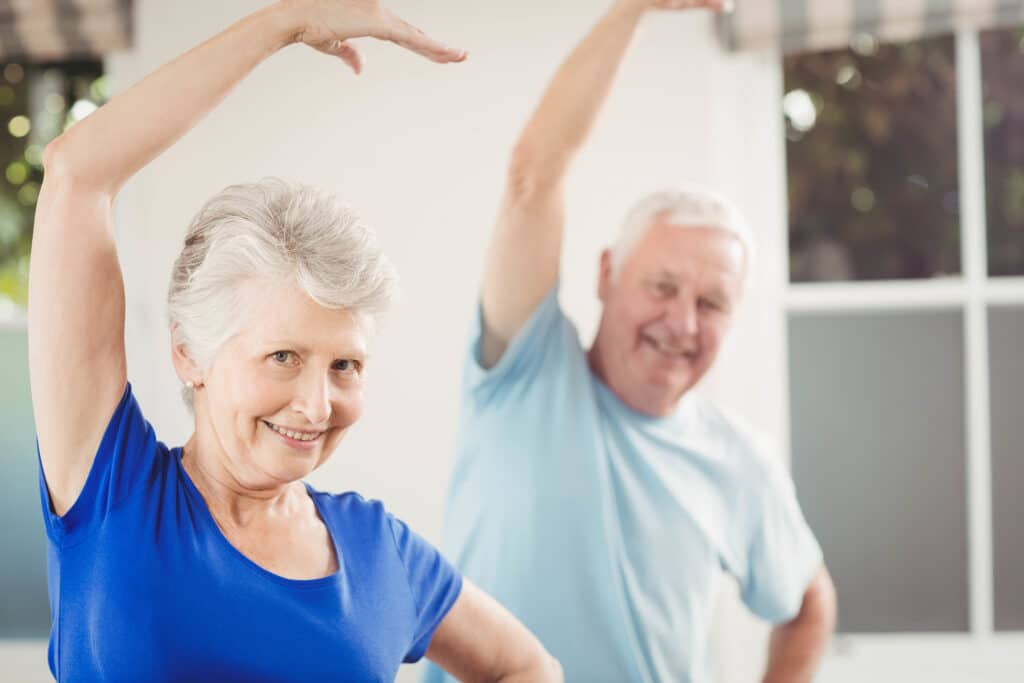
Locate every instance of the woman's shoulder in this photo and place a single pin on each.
(349, 506)
(360, 521)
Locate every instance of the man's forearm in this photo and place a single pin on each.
(796, 648)
(574, 97)
(795, 651)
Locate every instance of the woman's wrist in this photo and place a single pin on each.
(286, 21)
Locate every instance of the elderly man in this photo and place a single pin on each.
(594, 494)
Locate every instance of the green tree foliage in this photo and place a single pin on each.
(1002, 58)
(37, 103)
(872, 162)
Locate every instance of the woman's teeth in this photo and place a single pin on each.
(298, 436)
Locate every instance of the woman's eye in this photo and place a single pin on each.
(281, 357)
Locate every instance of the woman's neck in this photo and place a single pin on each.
(227, 494)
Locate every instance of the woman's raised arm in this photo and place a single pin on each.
(76, 292)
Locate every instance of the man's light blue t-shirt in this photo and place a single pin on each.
(607, 531)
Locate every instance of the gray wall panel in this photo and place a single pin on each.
(878, 439)
(1006, 360)
(24, 609)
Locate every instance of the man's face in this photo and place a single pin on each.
(666, 313)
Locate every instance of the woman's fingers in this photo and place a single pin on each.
(348, 54)
(343, 50)
(329, 29)
(408, 36)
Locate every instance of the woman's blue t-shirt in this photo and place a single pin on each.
(144, 586)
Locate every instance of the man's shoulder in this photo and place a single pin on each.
(753, 449)
(544, 355)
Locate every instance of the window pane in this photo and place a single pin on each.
(24, 610)
(872, 162)
(877, 406)
(1006, 330)
(1002, 60)
(37, 103)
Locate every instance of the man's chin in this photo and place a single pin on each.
(671, 379)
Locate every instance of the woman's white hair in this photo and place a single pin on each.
(689, 207)
(274, 230)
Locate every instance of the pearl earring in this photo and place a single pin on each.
(190, 384)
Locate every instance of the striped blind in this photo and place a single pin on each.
(43, 30)
(817, 25)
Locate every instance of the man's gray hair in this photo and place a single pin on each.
(688, 207)
(272, 230)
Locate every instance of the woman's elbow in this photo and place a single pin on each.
(54, 157)
(553, 670)
(543, 669)
(556, 671)
(68, 177)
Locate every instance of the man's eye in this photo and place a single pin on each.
(710, 305)
(346, 365)
(665, 288)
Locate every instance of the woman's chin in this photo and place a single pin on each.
(287, 470)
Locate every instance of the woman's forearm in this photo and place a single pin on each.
(112, 144)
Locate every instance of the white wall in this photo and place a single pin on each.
(420, 150)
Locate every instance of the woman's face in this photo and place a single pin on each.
(280, 395)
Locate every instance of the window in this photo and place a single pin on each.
(905, 307)
(1006, 330)
(1002, 60)
(873, 186)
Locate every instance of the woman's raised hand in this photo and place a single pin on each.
(327, 26)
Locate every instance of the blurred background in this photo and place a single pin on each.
(877, 148)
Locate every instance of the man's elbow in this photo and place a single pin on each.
(820, 607)
(533, 175)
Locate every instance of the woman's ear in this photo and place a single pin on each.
(184, 366)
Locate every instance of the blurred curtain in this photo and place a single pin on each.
(49, 30)
(819, 25)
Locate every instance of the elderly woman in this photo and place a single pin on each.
(213, 561)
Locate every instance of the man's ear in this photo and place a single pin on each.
(604, 278)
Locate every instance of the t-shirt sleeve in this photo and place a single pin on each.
(541, 336)
(434, 583)
(125, 459)
(783, 555)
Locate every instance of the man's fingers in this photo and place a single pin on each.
(717, 5)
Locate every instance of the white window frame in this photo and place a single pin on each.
(981, 653)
